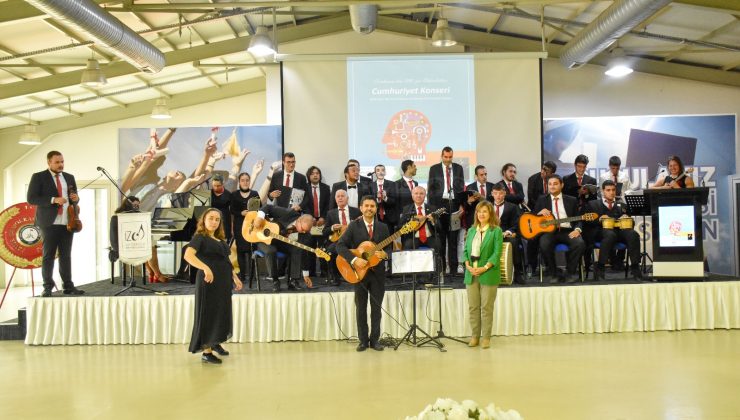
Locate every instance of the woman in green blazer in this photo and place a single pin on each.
(483, 246)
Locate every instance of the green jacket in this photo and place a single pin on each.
(490, 252)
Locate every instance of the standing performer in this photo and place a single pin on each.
(239, 208)
(209, 253)
(367, 229)
(51, 191)
(483, 245)
(445, 189)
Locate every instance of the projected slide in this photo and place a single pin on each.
(410, 108)
(676, 226)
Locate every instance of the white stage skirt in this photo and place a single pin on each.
(331, 316)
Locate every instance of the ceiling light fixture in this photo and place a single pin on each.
(618, 64)
(92, 76)
(442, 36)
(161, 111)
(261, 44)
(30, 136)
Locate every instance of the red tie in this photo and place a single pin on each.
(557, 211)
(610, 204)
(287, 180)
(381, 210)
(60, 210)
(423, 230)
(315, 203)
(615, 179)
(448, 178)
(344, 218)
(544, 186)
(370, 230)
(482, 191)
(411, 186)
(511, 190)
(498, 210)
(580, 179)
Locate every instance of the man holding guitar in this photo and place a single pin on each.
(365, 229)
(337, 220)
(560, 206)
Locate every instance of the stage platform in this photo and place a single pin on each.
(328, 313)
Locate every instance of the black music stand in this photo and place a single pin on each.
(422, 256)
(440, 334)
(637, 206)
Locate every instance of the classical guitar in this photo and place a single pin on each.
(531, 225)
(366, 251)
(338, 233)
(271, 231)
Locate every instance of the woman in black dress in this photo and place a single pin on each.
(209, 253)
(221, 199)
(239, 207)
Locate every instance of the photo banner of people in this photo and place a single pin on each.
(155, 164)
(704, 143)
(405, 107)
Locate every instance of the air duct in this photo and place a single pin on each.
(617, 20)
(86, 16)
(363, 17)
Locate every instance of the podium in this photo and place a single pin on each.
(677, 231)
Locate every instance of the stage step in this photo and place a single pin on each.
(14, 329)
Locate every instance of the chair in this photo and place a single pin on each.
(257, 254)
(564, 249)
(619, 246)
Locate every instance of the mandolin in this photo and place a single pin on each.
(531, 225)
(338, 233)
(271, 231)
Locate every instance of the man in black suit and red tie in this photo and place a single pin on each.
(560, 206)
(446, 189)
(367, 228)
(284, 182)
(475, 192)
(355, 189)
(426, 235)
(336, 219)
(508, 215)
(363, 179)
(405, 185)
(514, 189)
(317, 205)
(580, 185)
(386, 195)
(536, 188)
(608, 206)
(51, 191)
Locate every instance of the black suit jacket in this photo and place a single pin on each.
(41, 190)
(281, 215)
(332, 218)
(436, 185)
(569, 203)
(518, 196)
(356, 234)
(389, 206)
(410, 211)
(470, 207)
(534, 190)
(325, 200)
(570, 186)
(593, 229)
(362, 190)
(278, 183)
(404, 195)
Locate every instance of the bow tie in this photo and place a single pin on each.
(351, 186)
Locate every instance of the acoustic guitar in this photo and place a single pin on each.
(271, 231)
(532, 225)
(335, 235)
(366, 251)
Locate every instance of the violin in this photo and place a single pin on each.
(74, 224)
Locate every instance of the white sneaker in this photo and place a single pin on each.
(460, 269)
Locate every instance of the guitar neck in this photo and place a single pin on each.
(565, 220)
(292, 242)
(387, 241)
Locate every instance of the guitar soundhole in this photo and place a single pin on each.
(266, 232)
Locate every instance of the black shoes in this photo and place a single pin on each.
(210, 358)
(46, 293)
(293, 285)
(377, 347)
(599, 272)
(74, 291)
(276, 286)
(637, 274)
(220, 350)
(361, 347)
(365, 346)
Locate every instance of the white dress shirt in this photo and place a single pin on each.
(560, 212)
(448, 194)
(61, 219)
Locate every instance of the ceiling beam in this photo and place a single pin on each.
(315, 28)
(728, 6)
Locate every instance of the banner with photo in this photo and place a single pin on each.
(705, 143)
(155, 164)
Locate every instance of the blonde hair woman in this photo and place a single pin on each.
(483, 246)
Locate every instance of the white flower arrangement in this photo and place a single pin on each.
(449, 409)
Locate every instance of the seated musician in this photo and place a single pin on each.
(289, 221)
(536, 188)
(606, 208)
(508, 214)
(477, 191)
(426, 235)
(514, 189)
(676, 177)
(337, 220)
(560, 206)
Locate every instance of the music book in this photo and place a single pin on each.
(456, 221)
(415, 261)
(296, 197)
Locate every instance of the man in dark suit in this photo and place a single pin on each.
(608, 206)
(536, 188)
(508, 214)
(514, 189)
(51, 191)
(560, 206)
(284, 182)
(405, 185)
(336, 219)
(366, 180)
(367, 228)
(355, 189)
(580, 185)
(318, 204)
(427, 235)
(446, 186)
(475, 192)
(289, 221)
(386, 195)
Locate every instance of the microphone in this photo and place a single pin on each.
(99, 169)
